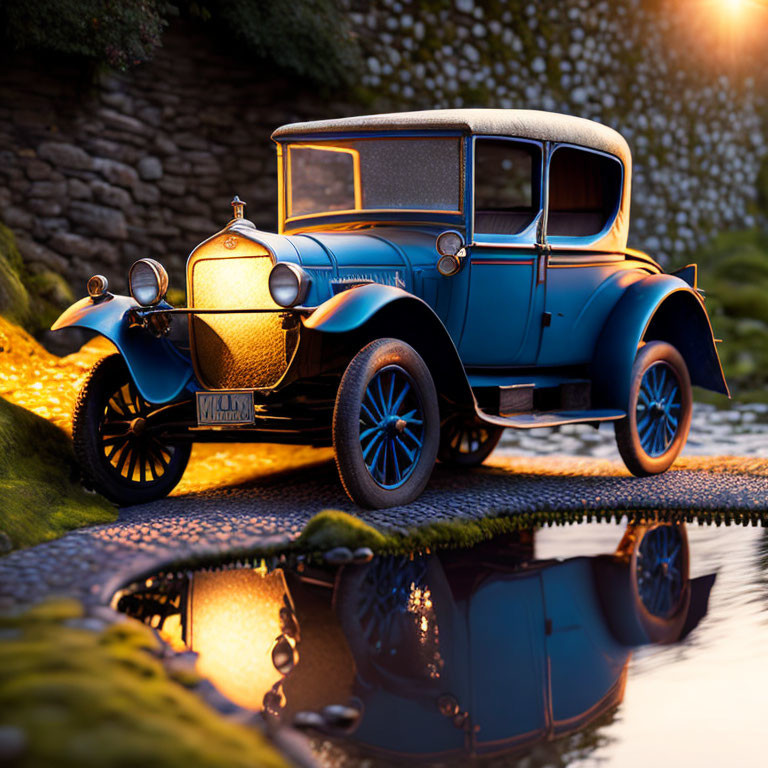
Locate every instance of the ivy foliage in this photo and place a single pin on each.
(310, 39)
(119, 33)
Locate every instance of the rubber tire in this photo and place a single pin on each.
(616, 581)
(452, 458)
(361, 488)
(637, 461)
(106, 377)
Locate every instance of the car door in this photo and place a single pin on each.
(508, 665)
(505, 286)
(584, 279)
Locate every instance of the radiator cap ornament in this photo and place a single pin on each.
(239, 207)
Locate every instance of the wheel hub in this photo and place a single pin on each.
(137, 426)
(659, 406)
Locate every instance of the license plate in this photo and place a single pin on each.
(224, 408)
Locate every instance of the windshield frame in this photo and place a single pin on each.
(351, 218)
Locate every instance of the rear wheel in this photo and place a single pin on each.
(658, 418)
(465, 441)
(386, 425)
(117, 442)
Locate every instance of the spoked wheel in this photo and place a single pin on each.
(466, 441)
(117, 442)
(661, 569)
(385, 425)
(658, 418)
(645, 587)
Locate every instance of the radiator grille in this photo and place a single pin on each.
(238, 351)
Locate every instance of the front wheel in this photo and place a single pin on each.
(120, 451)
(658, 419)
(386, 425)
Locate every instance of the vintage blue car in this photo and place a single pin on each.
(437, 276)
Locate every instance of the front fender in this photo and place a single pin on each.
(382, 311)
(352, 309)
(158, 369)
(656, 308)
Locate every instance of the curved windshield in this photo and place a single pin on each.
(417, 174)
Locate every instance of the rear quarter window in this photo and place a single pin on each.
(585, 190)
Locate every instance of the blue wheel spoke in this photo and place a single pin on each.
(375, 460)
(382, 401)
(384, 462)
(391, 395)
(395, 463)
(672, 396)
(365, 434)
(410, 417)
(413, 437)
(409, 453)
(396, 405)
(374, 418)
(373, 442)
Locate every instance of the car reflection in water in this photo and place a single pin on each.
(486, 651)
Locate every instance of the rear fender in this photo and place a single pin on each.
(657, 308)
(374, 311)
(158, 369)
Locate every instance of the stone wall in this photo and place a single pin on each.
(96, 172)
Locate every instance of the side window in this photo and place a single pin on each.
(584, 192)
(507, 184)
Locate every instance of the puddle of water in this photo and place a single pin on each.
(593, 643)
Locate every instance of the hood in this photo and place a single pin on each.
(387, 255)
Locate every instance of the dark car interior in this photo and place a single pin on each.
(507, 196)
(584, 189)
(584, 192)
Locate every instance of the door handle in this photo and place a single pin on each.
(541, 268)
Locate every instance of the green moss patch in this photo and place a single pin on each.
(75, 697)
(331, 528)
(40, 496)
(734, 274)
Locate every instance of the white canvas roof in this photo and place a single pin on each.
(518, 123)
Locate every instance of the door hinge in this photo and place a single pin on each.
(548, 627)
(546, 319)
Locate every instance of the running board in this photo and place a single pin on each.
(551, 418)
